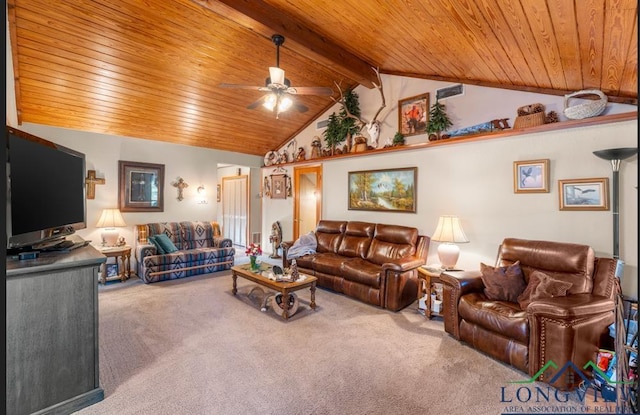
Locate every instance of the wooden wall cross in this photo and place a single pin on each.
(91, 181)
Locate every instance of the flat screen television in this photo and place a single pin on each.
(45, 191)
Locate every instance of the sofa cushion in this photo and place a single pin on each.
(356, 240)
(165, 243)
(327, 263)
(565, 261)
(171, 229)
(196, 234)
(305, 261)
(329, 234)
(502, 317)
(541, 286)
(392, 242)
(503, 283)
(361, 271)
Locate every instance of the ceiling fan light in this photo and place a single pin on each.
(270, 102)
(277, 75)
(285, 104)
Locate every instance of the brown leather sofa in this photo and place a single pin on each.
(373, 263)
(562, 329)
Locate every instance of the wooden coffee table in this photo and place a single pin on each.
(286, 288)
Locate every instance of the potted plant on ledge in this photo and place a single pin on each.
(438, 121)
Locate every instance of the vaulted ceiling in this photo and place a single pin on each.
(152, 68)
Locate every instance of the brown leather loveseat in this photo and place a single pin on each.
(561, 329)
(373, 263)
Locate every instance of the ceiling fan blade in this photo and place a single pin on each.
(236, 86)
(311, 90)
(257, 103)
(300, 107)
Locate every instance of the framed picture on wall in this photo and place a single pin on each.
(531, 176)
(584, 194)
(413, 115)
(141, 187)
(278, 186)
(389, 190)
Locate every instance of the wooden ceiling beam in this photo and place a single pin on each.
(267, 20)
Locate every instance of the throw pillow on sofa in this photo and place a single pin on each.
(159, 250)
(166, 243)
(503, 283)
(541, 286)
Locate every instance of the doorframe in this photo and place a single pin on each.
(297, 172)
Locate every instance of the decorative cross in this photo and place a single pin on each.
(180, 184)
(91, 181)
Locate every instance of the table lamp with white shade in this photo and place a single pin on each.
(449, 232)
(109, 221)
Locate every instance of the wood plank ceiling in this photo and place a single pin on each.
(151, 68)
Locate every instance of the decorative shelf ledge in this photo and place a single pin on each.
(603, 119)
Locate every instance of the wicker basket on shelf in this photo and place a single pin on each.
(585, 109)
(530, 120)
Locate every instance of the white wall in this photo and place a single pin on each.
(474, 180)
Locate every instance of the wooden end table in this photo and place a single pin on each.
(122, 253)
(284, 287)
(426, 277)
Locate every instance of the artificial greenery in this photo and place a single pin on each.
(340, 126)
(438, 120)
(398, 139)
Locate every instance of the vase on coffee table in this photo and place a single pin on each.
(253, 262)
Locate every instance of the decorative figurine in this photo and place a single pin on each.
(295, 275)
(275, 238)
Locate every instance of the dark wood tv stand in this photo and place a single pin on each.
(52, 332)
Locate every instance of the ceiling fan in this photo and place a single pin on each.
(279, 88)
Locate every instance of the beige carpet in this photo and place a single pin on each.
(190, 347)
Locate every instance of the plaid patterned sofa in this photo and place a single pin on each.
(201, 249)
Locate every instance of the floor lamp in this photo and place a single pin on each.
(616, 155)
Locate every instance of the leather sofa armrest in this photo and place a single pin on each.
(285, 245)
(454, 285)
(403, 264)
(567, 329)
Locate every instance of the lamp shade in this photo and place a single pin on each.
(449, 232)
(110, 218)
(449, 229)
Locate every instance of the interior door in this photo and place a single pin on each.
(235, 209)
(307, 196)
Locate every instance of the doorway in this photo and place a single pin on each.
(307, 205)
(235, 209)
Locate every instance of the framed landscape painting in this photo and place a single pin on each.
(584, 194)
(389, 190)
(531, 176)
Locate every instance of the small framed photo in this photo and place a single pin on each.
(531, 176)
(112, 270)
(413, 115)
(584, 194)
